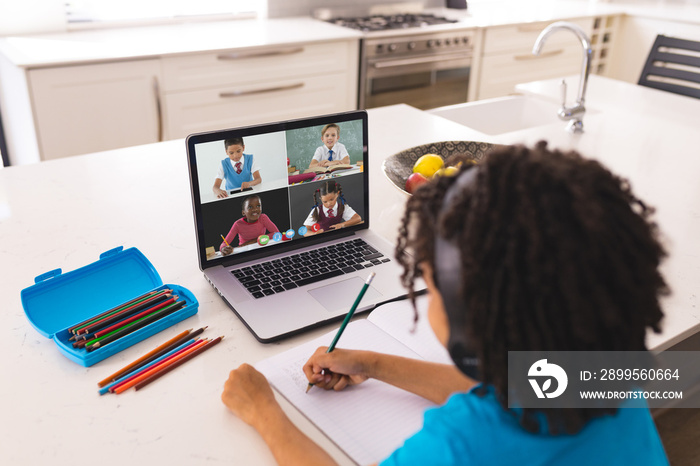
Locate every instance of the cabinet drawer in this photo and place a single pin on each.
(235, 67)
(500, 73)
(247, 104)
(521, 37)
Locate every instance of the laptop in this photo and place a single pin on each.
(277, 256)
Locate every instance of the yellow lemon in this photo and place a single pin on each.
(428, 164)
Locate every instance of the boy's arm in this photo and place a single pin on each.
(248, 394)
(345, 160)
(218, 192)
(257, 179)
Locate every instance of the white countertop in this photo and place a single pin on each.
(152, 41)
(89, 46)
(62, 214)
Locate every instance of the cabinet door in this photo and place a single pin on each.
(91, 108)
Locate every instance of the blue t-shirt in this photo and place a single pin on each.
(470, 429)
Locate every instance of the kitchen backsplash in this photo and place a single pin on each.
(282, 8)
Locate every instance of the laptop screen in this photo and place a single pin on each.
(264, 189)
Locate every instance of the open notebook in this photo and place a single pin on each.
(370, 420)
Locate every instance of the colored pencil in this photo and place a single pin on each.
(122, 320)
(138, 298)
(161, 365)
(347, 319)
(94, 337)
(133, 326)
(165, 370)
(223, 238)
(124, 378)
(126, 369)
(120, 313)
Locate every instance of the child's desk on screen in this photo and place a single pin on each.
(370, 420)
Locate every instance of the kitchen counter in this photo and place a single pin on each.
(61, 214)
(90, 46)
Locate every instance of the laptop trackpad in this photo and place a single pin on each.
(340, 296)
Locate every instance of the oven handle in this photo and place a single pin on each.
(418, 61)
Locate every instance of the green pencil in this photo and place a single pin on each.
(347, 319)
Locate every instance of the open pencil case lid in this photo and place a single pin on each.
(57, 300)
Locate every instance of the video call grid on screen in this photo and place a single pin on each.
(286, 199)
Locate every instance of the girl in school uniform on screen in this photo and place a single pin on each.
(330, 211)
(530, 250)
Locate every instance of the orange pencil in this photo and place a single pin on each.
(126, 369)
(153, 370)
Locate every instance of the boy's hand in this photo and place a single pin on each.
(227, 250)
(245, 184)
(248, 395)
(341, 367)
(220, 193)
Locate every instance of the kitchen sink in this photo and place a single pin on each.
(502, 114)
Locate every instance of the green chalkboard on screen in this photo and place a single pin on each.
(302, 143)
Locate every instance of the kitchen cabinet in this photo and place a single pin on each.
(506, 55)
(69, 109)
(89, 108)
(211, 91)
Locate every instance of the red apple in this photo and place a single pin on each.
(413, 181)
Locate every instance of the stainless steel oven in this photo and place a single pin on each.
(425, 70)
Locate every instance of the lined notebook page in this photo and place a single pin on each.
(366, 421)
(397, 319)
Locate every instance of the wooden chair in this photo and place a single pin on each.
(673, 65)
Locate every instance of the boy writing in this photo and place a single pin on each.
(331, 152)
(530, 250)
(248, 228)
(239, 170)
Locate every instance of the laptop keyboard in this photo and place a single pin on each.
(280, 275)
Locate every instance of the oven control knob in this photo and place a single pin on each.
(380, 48)
(411, 45)
(448, 42)
(465, 40)
(392, 47)
(430, 43)
(438, 42)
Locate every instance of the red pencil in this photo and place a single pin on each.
(172, 366)
(96, 324)
(121, 323)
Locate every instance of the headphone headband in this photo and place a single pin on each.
(448, 277)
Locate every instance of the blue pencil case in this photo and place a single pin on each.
(57, 301)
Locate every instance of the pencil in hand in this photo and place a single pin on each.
(347, 319)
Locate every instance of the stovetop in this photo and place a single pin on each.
(390, 22)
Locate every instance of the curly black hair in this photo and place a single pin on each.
(557, 255)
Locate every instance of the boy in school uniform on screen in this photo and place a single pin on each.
(239, 170)
(530, 250)
(331, 152)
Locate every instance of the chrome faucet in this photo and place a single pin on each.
(574, 115)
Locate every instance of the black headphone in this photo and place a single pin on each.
(448, 278)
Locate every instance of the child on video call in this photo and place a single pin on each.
(248, 228)
(553, 253)
(331, 152)
(330, 210)
(239, 170)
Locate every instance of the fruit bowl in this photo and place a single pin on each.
(399, 167)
